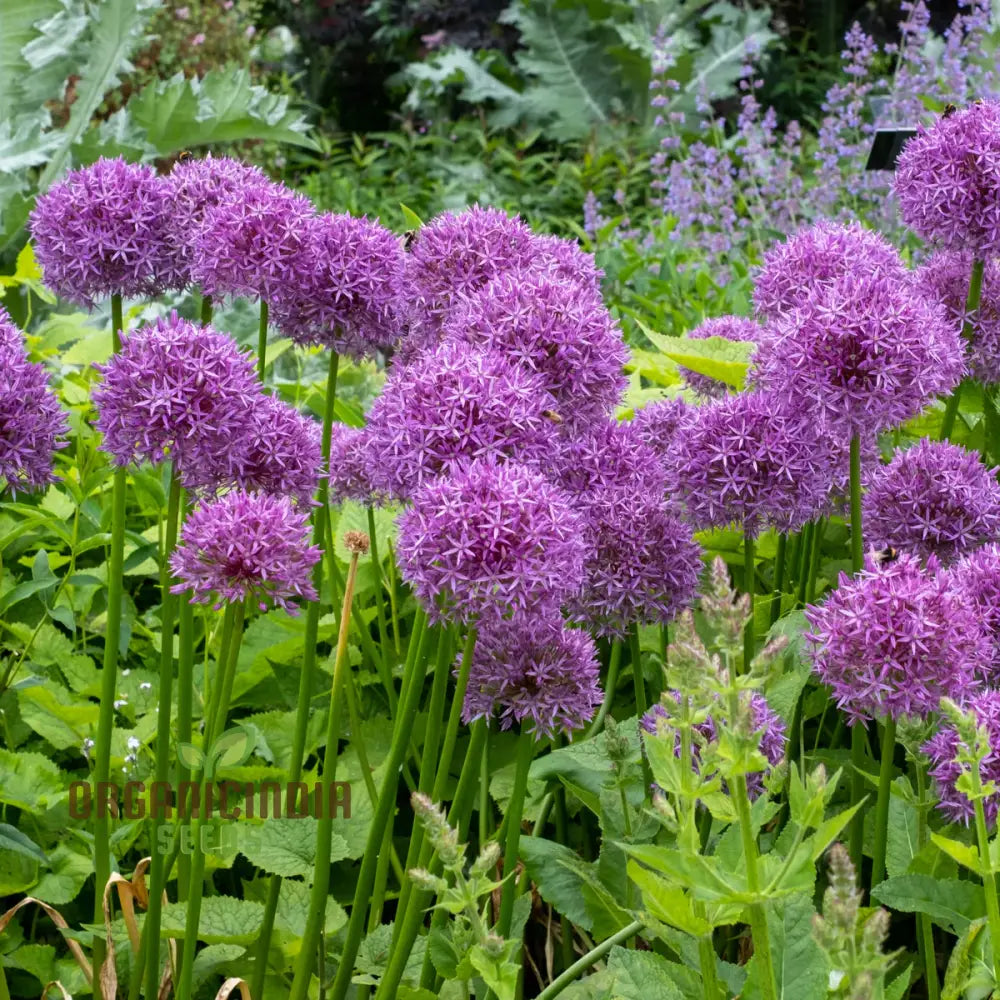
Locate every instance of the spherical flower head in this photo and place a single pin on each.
(936, 498)
(555, 329)
(352, 465)
(642, 567)
(945, 279)
(736, 328)
(176, 391)
(748, 460)
(947, 180)
(535, 672)
(895, 639)
(491, 540)
(246, 547)
(31, 420)
(196, 186)
(454, 404)
(767, 724)
(942, 749)
(103, 231)
(795, 270)
(657, 423)
(348, 295)
(976, 580)
(865, 353)
(254, 245)
(565, 261)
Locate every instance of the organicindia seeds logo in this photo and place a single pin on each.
(204, 798)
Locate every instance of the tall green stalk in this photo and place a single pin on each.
(376, 563)
(927, 952)
(971, 309)
(582, 964)
(525, 755)
(856, 843)
(749, 639)
(206, 310)
(989, 875)
(610, 684)
(109, 680)
(882, 802)
(151, 926)
(262, 341)
(779, 576)
(185, 714)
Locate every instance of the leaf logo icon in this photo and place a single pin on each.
(231, 749)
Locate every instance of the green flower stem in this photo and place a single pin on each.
(109, 680)
(185, 693)
(324, 827)
(856, 843)
(597, 724)
(749, 639)
(779, 576)
(882, 803)
(376, 562)
(562, 836)
(857, 540)
(485, 808)
(987, 871)
(151, 926)
(408, 705)
(641, 702)
(814, 549)
(927, 952)
(393, 602)
(802, 560)
(971, 309)
(215, 715)
(515, 809)
(581, 965)
(262, 341)
(206, 310)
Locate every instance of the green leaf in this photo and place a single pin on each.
(799, 962)
(293, 909)
(65, 878)
(668, 902)
(224, 920)
(287, 847)
(412, 219)
(903, 842)
(210, 959)
(557, 872)
(960, 964)
(724, 360)
(12, 839)
(190, 756)
(948, 902)
(965, 854)
(641, 975)
(57, 715)
(22, 592)
(30, 781)
(499, 972)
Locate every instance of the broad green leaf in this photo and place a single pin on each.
(965, 854)
(724, 360)
(287, 847)
(293, 909)
(557, 871)
(412, 219)
(210, 959)
(224, 920)
(799, 963)
(12, 839)
(948, 902)
(641, 975)
(667, 902)
(17, 873)
(37, 959)
(67, 873)
(903, 844)
(30, 781)
(959, 965)
(57, 715)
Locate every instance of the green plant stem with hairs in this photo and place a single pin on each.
(971, 309)
(262, 341)
(109, 679)
(882, 802)
(856, 845)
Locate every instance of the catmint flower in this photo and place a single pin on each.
(737, 328)
(133, 743)
(352, 464)
(119, 703)
(657, 423)
(254, 245)
(176, 391)
(346, 294)
(975, 578)
(32, 422)
(492, 539)
(766, 723)
(865, 352)
(555, 329)
(942, 749)
(145, 686)
(102, 231)
(88, 745)
(453, 404)
(895, 639)
(748, 460)
(947, 180)
(246, 546)
(945, 278)
(535, 671)
(934, 497)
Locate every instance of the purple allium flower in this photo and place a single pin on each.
(176, 391)
(942, 749)
(976, 579)
(945, 278)
(895, 639)
(452, 404)
(813, 258)
(102, 231)
(31, 420)
(246, 546)
(534, 671)
(352, 466)
(565, 261)
(555, 329)
(195, 187)
(642, 565)
(737, 328)
(934, 497)
(865, 352)
(767, 724)
(658, 423)
(948, 180)
(348, 293)
(254, 245)
(491, 540)
(745, 459)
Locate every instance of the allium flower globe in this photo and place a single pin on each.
(453, 404)
(246, 547)
(865, 352)
(491, 540)
(31, 420)
(535, 672)
(658, 423)
(564, 261)
(176, 391)
(736, 328)
(975, 578)
(102, 231)
(352, 458)
(932, 498)
(945, 770)
(348, 294)
(947, 180)
(818, 256)
(896, 639)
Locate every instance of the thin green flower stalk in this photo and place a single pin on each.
(217, 708)
(357, 544)
(971, 309)
(526, 747)
(185, 724)
(882, 802)
(610, 686)
(857, 731)
(580, 966)
(109, 679)
(206, 310)
(262, 341)
(779, 577)
(376, 563)
(749, 554)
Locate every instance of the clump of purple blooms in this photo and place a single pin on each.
(658, 423)
(976, 579)
(352, 458)
(246, 547)
(932, 498)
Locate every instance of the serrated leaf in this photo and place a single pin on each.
(287, 847)
(293, 909)
(948, 902)
(904, 840)
(959, 965)
(557, 872)
(641, 975)
(30, 781)
(66, 876)
(12, 839)
(224, 920)
(57, 715)
(209, 959)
